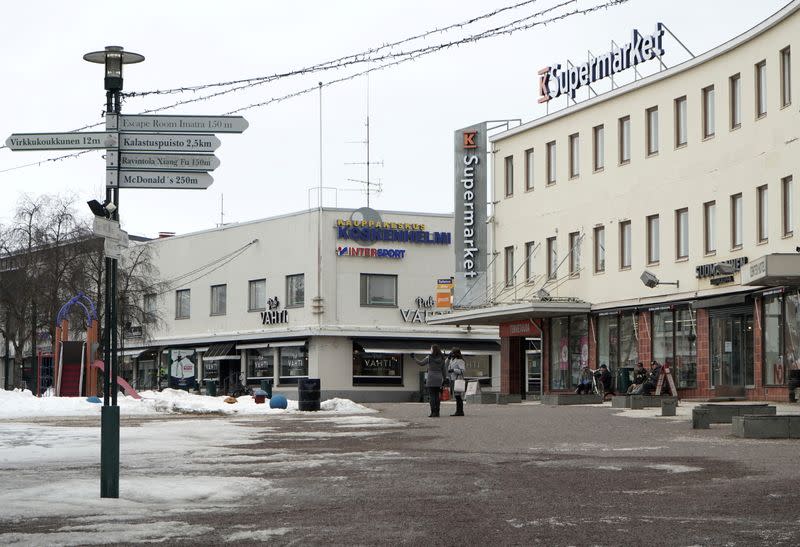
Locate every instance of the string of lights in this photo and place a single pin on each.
(173, 283)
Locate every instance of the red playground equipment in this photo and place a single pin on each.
(75, 367)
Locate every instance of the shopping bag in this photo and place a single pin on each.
(460, 385)
(445, 394)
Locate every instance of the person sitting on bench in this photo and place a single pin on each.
(604, 377)
(585, 381)
(649, 385)
(639, 377)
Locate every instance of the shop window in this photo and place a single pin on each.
(509, 175)
(551, 162)
(295, 290)
(708, 112)
(219, 299)
(791, 339)
(624, 140)
(685, 369)
(293, 364)
(662, 337)
(599, 249)
(257, 295)
(682, 234)
(378, 290)
(761, 89)
(786, 77)
(599, 153)
(574, 254)
(628, 340)
(735, 84)
(578, 345)
(260, 363)
(530, 248)
(509, 264)
(529, 169)
(787, 207)
(608, 341)
(625, 245)
(552, 258)
(710, 227)
(377, 368)
(773, 340)
(574, 156)
(559, 353)
(651, 116)
(736, 221)
(680, 122)
(478, 367)
(653, 240)
(762, 226)
(182, 303)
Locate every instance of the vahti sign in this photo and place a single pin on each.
(555, 81)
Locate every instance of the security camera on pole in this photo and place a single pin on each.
(141, 152)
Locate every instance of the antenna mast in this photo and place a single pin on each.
(368, 182)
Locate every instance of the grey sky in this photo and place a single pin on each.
(414, 107)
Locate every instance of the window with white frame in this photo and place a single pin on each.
(552, 258)
(378, 290)
(735, 83)
(736, 221)
(574, 254)
(257, 294)
(787, 197)
(530, 247)
(599, 148)
(682, 234)
(652, 130)
(625, 244)
(625, 140)
(295, 290)
(653, 240)
(708, 112)
(529, 169)
(761, 89)
(551, 162)
(680, 122)
(762, 225)
(599, 249)
(574, 156)
(509, 175)
(709, 227)
(509, 258)
(786, 76)
(219, 299)
(182, 303)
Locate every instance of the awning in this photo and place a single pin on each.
(495, 315)
(220, 351)
(773, 270)
(468, 347)
(728, 300)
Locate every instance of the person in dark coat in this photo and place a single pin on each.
(603, 376)
(437, 371)
(649, 385)
(639, 377)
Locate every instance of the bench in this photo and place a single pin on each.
(711, 413)
(641, 401)
(558, 399)
(778, 426)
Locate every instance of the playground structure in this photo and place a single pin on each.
(75, 367)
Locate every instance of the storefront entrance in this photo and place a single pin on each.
(731, 350)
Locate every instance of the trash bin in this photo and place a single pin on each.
(308, 394)
(211, 388)
(266, 386)
(623, 379)
(260, 396)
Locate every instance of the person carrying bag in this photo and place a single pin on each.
(455, 370)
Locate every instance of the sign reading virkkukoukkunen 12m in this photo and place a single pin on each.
(470, 211)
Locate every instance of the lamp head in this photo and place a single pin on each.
(113, 57)
(649, 279)
(102, 210)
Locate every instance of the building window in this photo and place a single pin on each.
(599, 148)
(787, 196)
(149, 308)
(682, 234)
(599, 249)
(653, 240)
(260, 363)
(735, 82)
(625, 140)
(569, 350)
(574, 156)
(786, 77)
(378, 290)
(662, 340)
(295, 290)
(257, 295)
(552, 258)
(509, 173)
(652, 130)
(377, 368)
(219, 299)
(773, 340)
(625, 244)
(551, 162)
(736, 221)
(509, 256)
(182, 303)
(530, 247)
(574, 254)
(763, 217)
(293, 364)
(709, 227)
(529, 169)
(708, 112)
(685, 348)
(680, 122)
(761, 89)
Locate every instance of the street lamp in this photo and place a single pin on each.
(113, 57)
(650, 280)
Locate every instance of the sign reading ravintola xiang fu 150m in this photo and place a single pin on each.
(555, 81)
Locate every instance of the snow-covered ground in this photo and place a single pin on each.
(22, 404)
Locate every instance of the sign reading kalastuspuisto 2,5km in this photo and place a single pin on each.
(147, 151)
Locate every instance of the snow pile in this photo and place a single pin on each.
(23, 404)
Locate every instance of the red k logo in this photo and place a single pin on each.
(544, 87)
(469, 139)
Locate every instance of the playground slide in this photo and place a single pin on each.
(126, 387)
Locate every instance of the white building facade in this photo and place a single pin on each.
(689, 174)
(339, 295)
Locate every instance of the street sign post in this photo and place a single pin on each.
(182, 124)
(160, 142)
(162, 162)
(159, 179)
(62, 141)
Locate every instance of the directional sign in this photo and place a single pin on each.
(104, 227)
(183, 124)
(159, 142)
(160, 179)
(62, 141)
(163, 162)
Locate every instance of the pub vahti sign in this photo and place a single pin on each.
(555, 81)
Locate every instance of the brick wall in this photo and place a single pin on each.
(644, 346)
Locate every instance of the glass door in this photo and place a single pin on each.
(732, 350)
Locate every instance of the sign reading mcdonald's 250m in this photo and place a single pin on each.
(555, 81)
